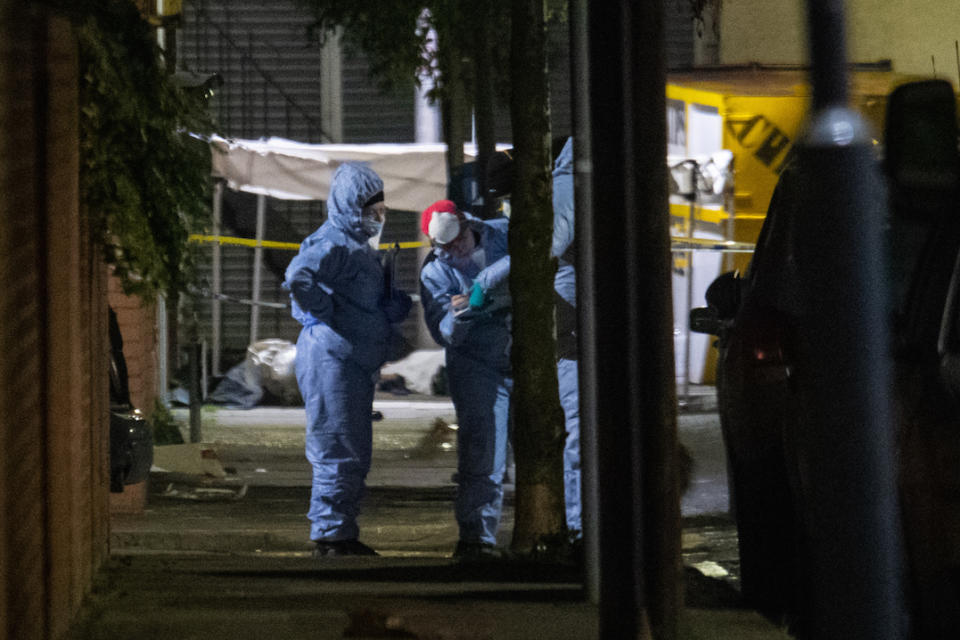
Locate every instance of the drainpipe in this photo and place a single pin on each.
(216, 278)
(257, 267)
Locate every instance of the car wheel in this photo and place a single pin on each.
(767, 533)
(763, 504)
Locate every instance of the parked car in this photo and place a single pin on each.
(131, 438)
(755, 317)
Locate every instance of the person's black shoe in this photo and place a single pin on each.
(476, 552)
(330, 548)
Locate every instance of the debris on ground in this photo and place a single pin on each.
(205, 494)
(440, 437)
(369, 623)
(189, 459)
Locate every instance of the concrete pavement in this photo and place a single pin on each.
(229, 557)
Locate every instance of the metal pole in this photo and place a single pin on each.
(193, 363)
(161, 32)
(162, 341)
(609, 477)
(627, 370)
(729, 207)
(828, 55)
(216, 278)
(843, 368)
(204, 373)
(691, 228)
(257, 262)
(583, 195)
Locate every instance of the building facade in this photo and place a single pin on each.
(918, 36)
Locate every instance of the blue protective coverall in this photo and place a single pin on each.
(565, 285)
(477, 348)
(336, 286)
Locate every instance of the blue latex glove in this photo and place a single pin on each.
(477, 297)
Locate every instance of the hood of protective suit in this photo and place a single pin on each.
(563, 165)
(353, 184)
(563, 224)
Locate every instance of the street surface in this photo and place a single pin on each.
(227, 556)
(409, 451)
(266, 489)
(265, 446)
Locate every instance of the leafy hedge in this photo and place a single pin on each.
(144, 180)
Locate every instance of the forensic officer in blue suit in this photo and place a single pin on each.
(468, 257)
(565, 287)
(565, 298)
(337, 291)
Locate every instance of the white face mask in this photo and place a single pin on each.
(374, 240)
(371, 226)
(372, 218)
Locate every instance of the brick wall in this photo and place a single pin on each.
(138, 325)
(21, 342)
(76, 371)
(137, 321)
(53, 383)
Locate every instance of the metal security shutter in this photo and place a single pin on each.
(285, 222)
(272, 87)
(369, 114)
(558, 62)
(237, 280)
(270, 68)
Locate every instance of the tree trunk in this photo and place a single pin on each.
(454, 104)
(538, 418)
(484, 96)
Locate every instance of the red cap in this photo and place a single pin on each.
(441, 221)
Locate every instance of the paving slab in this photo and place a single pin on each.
(229, 557)
(241, 596)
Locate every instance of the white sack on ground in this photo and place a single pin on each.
(418, 370)
(275, 359)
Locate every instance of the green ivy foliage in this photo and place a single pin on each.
(388, 33)
(399, 50)
(395, 39)
(144, 180)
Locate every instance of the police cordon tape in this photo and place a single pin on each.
(206, 293)
(676, 245)
(290, 246)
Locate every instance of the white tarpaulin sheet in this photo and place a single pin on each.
(414, 175)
